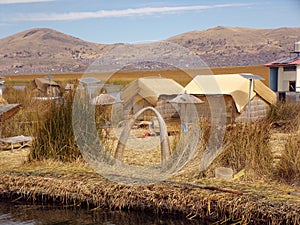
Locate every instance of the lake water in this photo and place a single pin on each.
(20, 214)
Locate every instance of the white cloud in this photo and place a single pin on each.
(6, 2)
(121, 13)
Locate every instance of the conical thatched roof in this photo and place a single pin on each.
(105, 99)
(186, 99)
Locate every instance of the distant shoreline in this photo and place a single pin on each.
(132, 75)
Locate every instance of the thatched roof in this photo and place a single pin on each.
(186, 99)
(42, 84)
(230, 84)
(8, 110)
(150, 89)
(105, 99)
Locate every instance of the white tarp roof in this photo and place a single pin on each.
(230, 84)
(150, 89)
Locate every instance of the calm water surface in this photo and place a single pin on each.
(20, 214)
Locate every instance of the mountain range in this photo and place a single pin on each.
(43, 50)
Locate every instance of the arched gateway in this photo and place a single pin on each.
(164, 140)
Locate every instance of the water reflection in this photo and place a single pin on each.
(16, 214)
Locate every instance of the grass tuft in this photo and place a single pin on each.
(54, 137)
(288, 168)
(285, 116)
(247, 148)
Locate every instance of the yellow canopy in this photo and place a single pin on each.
(150, 89)
(230, 84)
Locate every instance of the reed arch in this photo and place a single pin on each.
(164, 140)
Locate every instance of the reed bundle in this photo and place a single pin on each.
(250, 205)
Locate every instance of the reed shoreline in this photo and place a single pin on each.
(192, 200)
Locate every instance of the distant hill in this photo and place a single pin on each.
(235, 46)
(43, 50)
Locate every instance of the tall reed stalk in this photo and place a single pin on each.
(285, 116)
(288, 168)
(54, 137)
(248, 148)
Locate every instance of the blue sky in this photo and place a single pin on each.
(139, 21)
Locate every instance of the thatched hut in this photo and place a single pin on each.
(151, 91)
(47, 86)
(233, 89)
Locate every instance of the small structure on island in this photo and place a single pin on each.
(107, 109)
(187, 110)
(91, 85)
(6, 112)
(285, 76)
(234, 90)
(105, 99)
(47, 87)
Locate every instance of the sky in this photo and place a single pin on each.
(121, 21)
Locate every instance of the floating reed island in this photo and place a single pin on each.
(54, 171)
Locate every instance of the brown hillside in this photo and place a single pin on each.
(43, 50)
(234, 46)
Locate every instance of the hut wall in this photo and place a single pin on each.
(213, 106)
(166, 109)
(53, 91)
(258, 110)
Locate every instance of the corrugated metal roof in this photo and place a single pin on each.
(285, 61)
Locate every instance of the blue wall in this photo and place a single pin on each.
(274, 78)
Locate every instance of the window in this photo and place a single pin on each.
(292, 85)
(289, 68)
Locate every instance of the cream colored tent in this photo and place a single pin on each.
(237, 87)
(230, 84)
(147, 91)
(150, 89)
